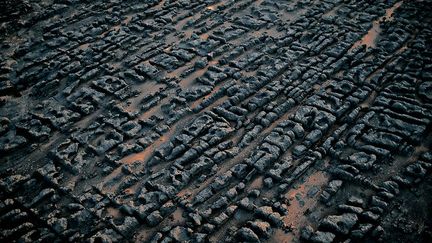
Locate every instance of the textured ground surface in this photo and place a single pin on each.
(220, 121)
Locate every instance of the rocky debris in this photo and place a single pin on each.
(154, 218)
(166, 61)
(147, 69)
(261, 227)
(112, 139)
(128, 226)
(309, 235)
(86, 100)
(246, 234)
(425, 90)
(267, 213)
(340, 224)
(362, 160)
(197, 121)
(34, 129)
(11, 141)
(109, 84)
(56, 114)
(330, 190)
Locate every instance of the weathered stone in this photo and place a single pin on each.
(247, 234)
(340, 224)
